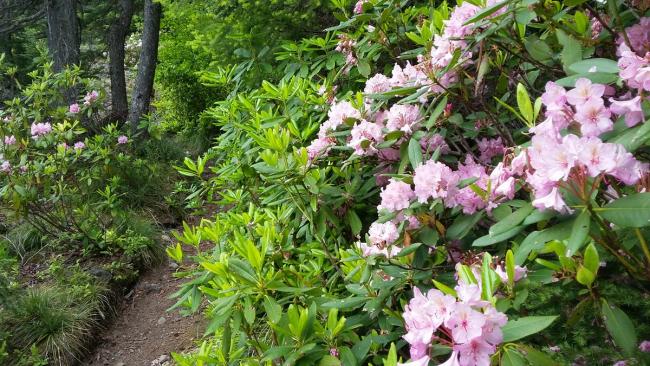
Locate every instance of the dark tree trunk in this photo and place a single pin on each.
(63, 33)
(141, 99)
(64, 38)
(116, 38)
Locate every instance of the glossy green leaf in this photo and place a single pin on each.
(629, 211)
(525, 326)
(512, 220)
(415, 153)
(579, 233)
(620, 327)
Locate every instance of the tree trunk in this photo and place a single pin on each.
(143, 90)
(117, 33)
(63, 33)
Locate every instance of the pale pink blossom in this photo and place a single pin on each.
(434, 180)
(358, 7)
(5, 167)
(594, 118)
(424, 361)
(403, 118)
(520, 273)
(584, 91)
(489, 148)
(396, 196)
(639, 36)
(379, 83)
(383, 233)
(79, 145)
(40, 129)
(91, 97)
(631, 109)
(476, 352)
(121, 140)
(644, 346)
(433, 142)
(553, 201)
(338, 114)
(319, 147)
(10, 140)
(465, 323)
(364, 137)
(74, 108)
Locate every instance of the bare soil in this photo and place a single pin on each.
(144, 333)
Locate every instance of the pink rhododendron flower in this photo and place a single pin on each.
(403, 118)
(79, 145)
(553, 201)
(520, 272)
(74, 108)
(433, 142)
(383, 233)
(377, 84)
(424, 361)
(364, 136)
(122, 140)
(358, 7)
(593, 117)
(631, 109)
(319, 147)
(489, 148)
(40, 129)
(5, 167)
(465, 323)
(621, 363)
(554, 95)
(10, 140)
(639, 36)
(584, 92)
(644, 346)
(338, 114)
(91, 97)
(434, 180)
(476, 352)
(396, 196)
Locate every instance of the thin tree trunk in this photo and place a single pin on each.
(117, 33)
(64, 37)
(141, 98)
(63, 33)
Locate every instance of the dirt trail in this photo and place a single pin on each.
(144, 333)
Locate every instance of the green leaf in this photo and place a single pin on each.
(444, 288)
(436, 112)
(537, 239)
(349, 303)
(347, 357)
(585, 276)
(462, 225)
(391, 360)
(579, 233)
(493, 239)
(597, 64)
(408, 250)
(591, 258)
(329, 360)
(633, 138)
(510, 267)
(629, 211)
(596, 77)
(487, 12)
(536, 357)
(273, 309)
(574, 2)
(511, 220)
(489, 278)
(512, 358)
(415, 153)
(538, 49)
(620, 327)
(354, 222)
(571, 49)
(364, 68)
(524, 103)
(525, 326)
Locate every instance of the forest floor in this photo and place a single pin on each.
(144, 333)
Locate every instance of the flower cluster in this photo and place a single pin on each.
(468, 324)
(634, 62)
(358, 7)
(40, 129)
(91, 97)
(555, 158)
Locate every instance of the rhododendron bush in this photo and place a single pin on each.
(436, 173)
(73, 184)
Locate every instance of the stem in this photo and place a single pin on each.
(644, 244)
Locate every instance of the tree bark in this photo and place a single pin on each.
(63, 33)
(117, 33)
(143, 90)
